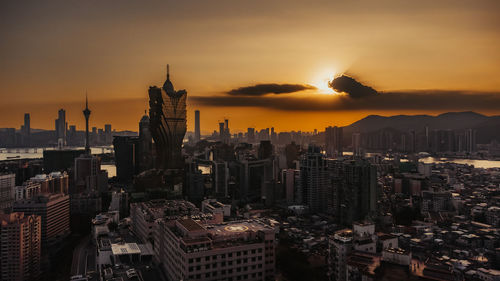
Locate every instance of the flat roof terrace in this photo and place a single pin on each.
(237, 227)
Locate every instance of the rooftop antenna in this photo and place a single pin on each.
(168, 72)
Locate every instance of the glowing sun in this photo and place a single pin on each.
(321, 80)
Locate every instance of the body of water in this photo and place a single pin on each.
(35, 153)
(485, 164)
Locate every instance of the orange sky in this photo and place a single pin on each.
(53, 51)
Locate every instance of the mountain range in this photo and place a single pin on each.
(487, 127)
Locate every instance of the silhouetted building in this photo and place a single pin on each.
(88, 176)
(251, 135)
(108, 138)
(356, 144)
(354, 192)
(26, 130)
(334, 141)
(265, 149)
(292, 154)
(167, 113)
(61, 127)
(470, 140)
(145, 144)
(314, 180)
(197, 133)
(20, 246)
(290, 179)
(60, 159)
(126, 153)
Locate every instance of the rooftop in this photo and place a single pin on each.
(125, 249)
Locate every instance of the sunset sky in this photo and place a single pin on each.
(421, 56)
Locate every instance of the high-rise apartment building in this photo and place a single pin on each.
(54, 212)
(356, 144)
(334, 141)
(20, 246)
(7, 186)
(354, 192)
(290, 179)
(340, 246)
(315, 181)
(167, 113)
(470, 140)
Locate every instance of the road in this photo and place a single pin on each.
(82, 255)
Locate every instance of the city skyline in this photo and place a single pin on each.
(420, 50)
(250, 140)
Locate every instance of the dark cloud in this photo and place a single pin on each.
(354, 89)
(409, 100)
(264, 89)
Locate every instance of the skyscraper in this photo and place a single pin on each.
(167, 113)
(26, 130)
(146, 144)
(197, 134)
(356, 144)
(61, 127)
(355, 192)
(20, 246)
(221, 131)
(470, 140)
(86, 113)
(334, 141)
(314, 180)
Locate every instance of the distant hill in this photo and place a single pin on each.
(487, 126)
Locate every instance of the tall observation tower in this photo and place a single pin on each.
(86, 113)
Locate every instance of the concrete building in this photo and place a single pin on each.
(145, 214)
(315, 181)
(355, 191)
(334, 141)
(88, 176)
(340, 247)
(290, 179)
(215, 207)
(54, 212)
(7, 188)
(20, 247)
(28, 190)
(238, 250)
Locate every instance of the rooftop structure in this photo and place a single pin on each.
(239, 250)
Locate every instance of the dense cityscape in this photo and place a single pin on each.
(222, 140)
(338, 204)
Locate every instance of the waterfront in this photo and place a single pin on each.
(37, 153)
(485, 164)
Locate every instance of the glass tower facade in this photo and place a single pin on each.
(167, 113)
